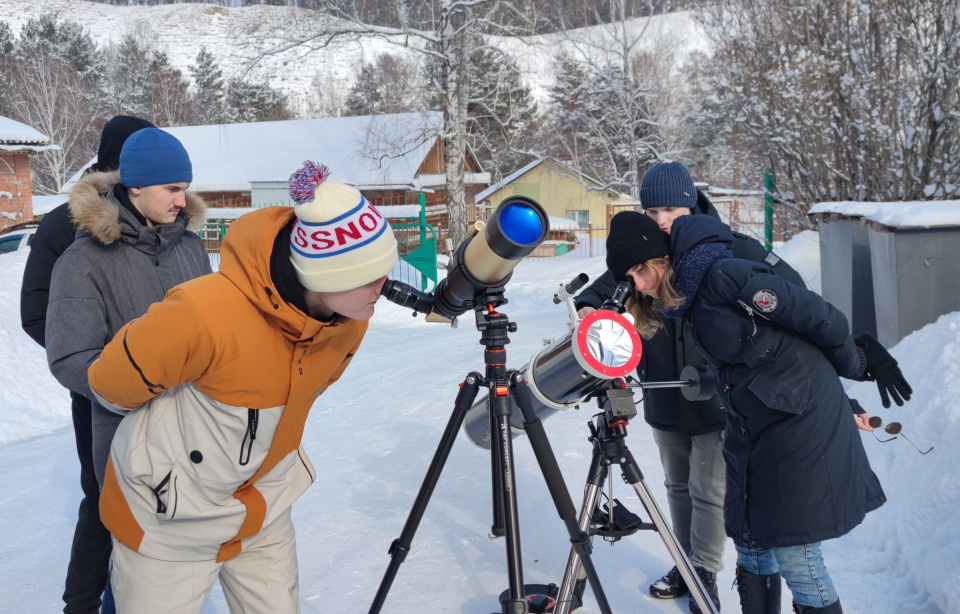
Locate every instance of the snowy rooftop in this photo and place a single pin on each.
(924, 214)
(561, 223)
(364, 151)
(13, 132)
(899, 214)
(526, 169)
(15, 136)
(45, 204)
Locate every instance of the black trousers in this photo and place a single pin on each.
(90, 553)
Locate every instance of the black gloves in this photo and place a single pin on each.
(882, 367)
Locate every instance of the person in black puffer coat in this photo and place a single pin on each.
(796, 470)
(90, 554)
(689, 434)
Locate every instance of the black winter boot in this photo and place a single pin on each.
(759, 594)
(833, 608)
(670, 586)
(709, 580)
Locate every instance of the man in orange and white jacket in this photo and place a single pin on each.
(216, 382)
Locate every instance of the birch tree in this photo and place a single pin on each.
(440, 30)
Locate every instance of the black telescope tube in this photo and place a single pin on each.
(407, 296)
(577, 283)
(619, 298)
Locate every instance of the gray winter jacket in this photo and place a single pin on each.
(112, 273)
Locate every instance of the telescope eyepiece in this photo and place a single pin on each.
(406, 295)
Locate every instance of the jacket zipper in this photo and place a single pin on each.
(253, 419)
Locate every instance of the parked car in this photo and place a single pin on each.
(17, 237)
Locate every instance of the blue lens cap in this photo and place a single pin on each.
(521, 224)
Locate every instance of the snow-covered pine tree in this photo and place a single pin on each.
(6, 49)
(254, 102)
(170, 100)
(392, 83)
(66, 40)
(209, 105)
(501, 113)
(127, 90)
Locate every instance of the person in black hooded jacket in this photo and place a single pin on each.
(796, 470)
(90, 554)
(689, 434)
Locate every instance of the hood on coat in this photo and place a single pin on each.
(94, 211)
(704, 206)
(690, 231)
(245, 261)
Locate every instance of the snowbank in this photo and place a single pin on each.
(32, 403)
(915, 537)
(802, 252)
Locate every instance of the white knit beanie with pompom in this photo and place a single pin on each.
(339, 241)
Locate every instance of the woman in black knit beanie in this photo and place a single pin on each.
(797, 473)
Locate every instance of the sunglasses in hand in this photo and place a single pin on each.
(894, 428)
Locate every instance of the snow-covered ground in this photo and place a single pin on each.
(375, 431)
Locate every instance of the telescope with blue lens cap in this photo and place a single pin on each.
(482, 264)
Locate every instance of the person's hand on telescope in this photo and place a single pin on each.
(585, 311)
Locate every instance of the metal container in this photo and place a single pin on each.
(915, 265)
(846, 273)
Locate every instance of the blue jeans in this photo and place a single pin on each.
(801, 566)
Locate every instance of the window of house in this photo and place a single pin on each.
(582, 218)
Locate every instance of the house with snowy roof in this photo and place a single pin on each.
(17, 142)
(559, 188)
(391, 159)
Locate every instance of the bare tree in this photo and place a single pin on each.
(850, 100)
(49, 95)
(440, 30)
(612, 100)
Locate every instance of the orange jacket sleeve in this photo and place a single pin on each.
(162, 349)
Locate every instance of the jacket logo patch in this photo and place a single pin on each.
(351, 230)
(765, 300)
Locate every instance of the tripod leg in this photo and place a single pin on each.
(501, 445)
(401, 546)
(554, 479)
(634, 477)
(572, 574)
(496, 480)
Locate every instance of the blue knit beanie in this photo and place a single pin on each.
(153, 157)
(667, 184)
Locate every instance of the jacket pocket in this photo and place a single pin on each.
(784, 385)
(166, 496)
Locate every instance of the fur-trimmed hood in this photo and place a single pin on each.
(95, 210)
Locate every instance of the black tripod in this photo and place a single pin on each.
(503, 384)
(607, 433)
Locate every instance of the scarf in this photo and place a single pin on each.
(689, 272)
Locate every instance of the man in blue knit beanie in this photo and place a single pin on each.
(156, 171)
